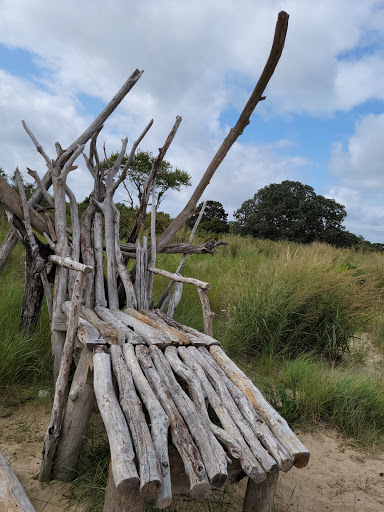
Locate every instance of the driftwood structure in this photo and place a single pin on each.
(180, 416)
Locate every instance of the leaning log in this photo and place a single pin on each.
(12, 494)
(122, 455)
(276, 423)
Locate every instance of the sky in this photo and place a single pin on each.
(322, 122)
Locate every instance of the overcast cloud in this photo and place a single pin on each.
(201, 60)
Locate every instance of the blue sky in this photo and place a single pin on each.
(322, 122)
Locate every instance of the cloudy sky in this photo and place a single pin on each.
(322, 122)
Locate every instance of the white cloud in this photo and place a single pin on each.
(359, 167)
(199, 59)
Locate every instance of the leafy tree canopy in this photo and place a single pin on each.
(293, 211)
(214, 218)
(167, 177)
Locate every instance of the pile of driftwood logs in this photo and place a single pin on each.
(179, 415)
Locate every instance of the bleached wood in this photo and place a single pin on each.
(78, 412)
(196, 337)
(109, 317)
(109, 333)
(200, 389)
(234, 133)
(39, 183)
(181, 279)
(122, 455)
(131, 155)
(153, 240)
(212, 453)
(87, 251)
(148, 335)
(121, 267)
(146, 316)
(86, 333)
(144, 275)
(67, 262)
(140, 215)
(180, 248)
(103, 116)
(260, 496)
(179, 288)
(38, 146)
(205, 372)
(258, 425)
(100, 299)
(199, 487)
(175, 299)
(276, 423)
(12, 494)
(207, 313)
(116, 501)
(53, 431)
(159, 424)
(7, 247)
(75, 251)
(148, 464)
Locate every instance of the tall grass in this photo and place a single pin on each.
(24, 359)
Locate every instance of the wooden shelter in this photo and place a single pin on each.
(180, 416)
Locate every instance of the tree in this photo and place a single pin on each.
(167, 177)
(214, 218)
(293, 211)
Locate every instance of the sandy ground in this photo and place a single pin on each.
(339, 477)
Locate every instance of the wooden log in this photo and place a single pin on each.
(122, 455)
(159, 425)
(147, 334)
(109, 333)
(12, 494)
(175, 299)
(212, 453)
(69, 263)
(258, 425)
(234, 133)
(116, 501)
(276, 423)
(87, 251)
(196, 337)
(121, 267)
(229, 436)
(195, 358)
(179, 288)
(77, 416)
(86, 333)
(153, 239)
(181, 279)
(181, 248)
(199, 487)
(100, 299)
(207, 313)
(75, 250)
(7, 247)
(260, 496)
(110, 317)
(177, 337)
(11, 199)
(149, 468)
(53, 431)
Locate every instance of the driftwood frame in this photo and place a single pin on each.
(144, 348)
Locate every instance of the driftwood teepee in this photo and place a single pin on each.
(109, 326)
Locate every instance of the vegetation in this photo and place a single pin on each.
(285, 312)
(214, 220)
(167, 177)
(293, 211)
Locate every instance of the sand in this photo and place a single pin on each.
(339, 477)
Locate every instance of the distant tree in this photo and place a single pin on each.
(214, 218)
(293, 211)
(167, 177)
